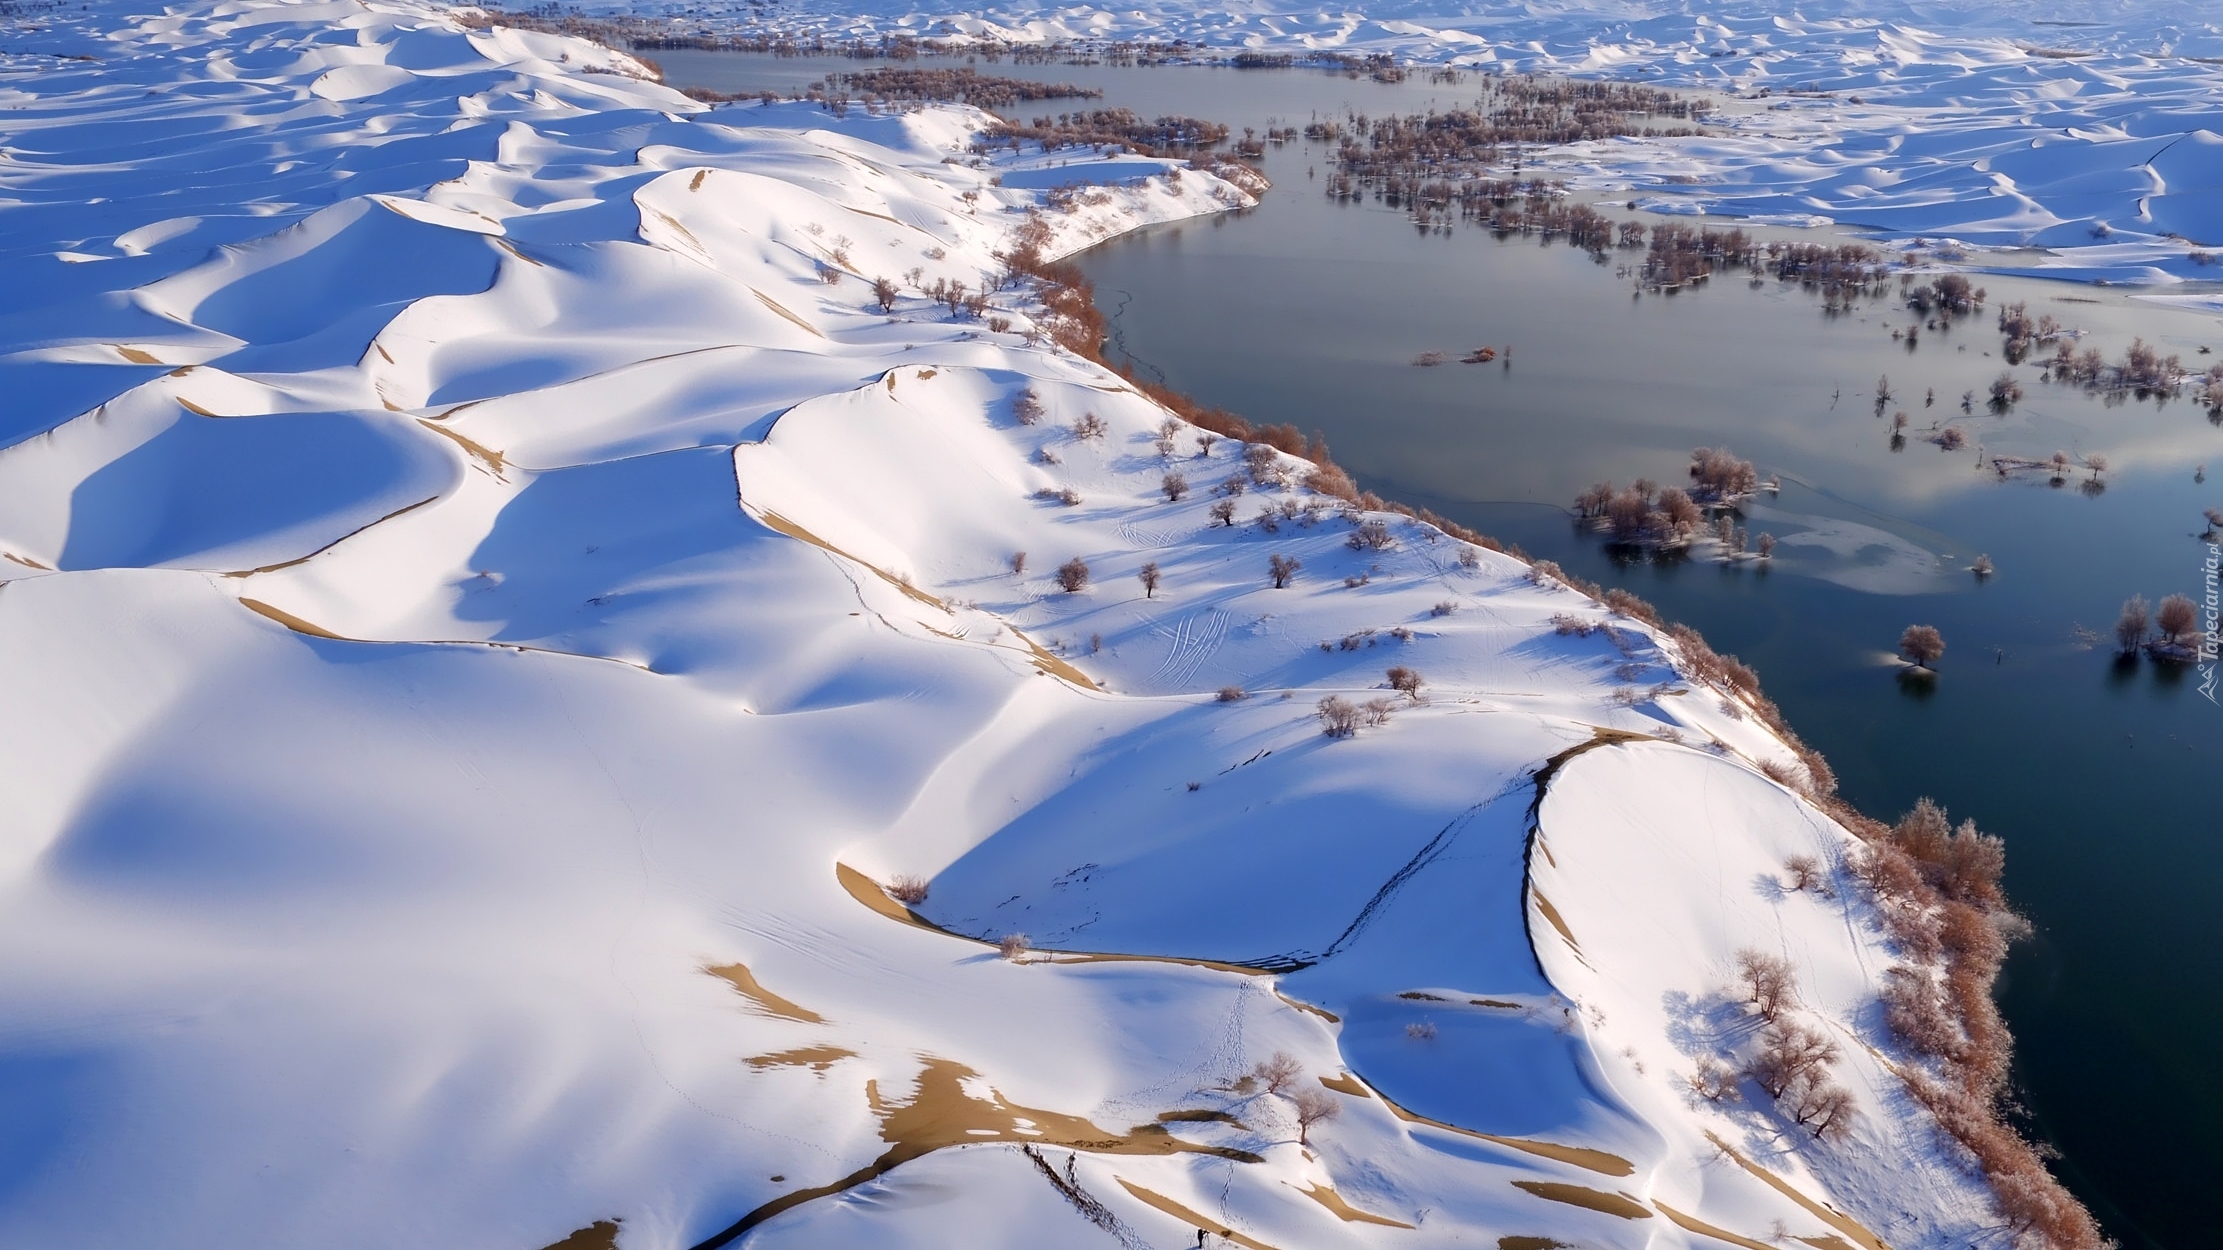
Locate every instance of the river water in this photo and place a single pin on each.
(2101, 774)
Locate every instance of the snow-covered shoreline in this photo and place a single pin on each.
(491, 587)
(2091, 134)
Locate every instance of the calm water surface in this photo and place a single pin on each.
(2102, 776)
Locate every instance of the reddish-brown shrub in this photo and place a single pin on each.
(908, 890)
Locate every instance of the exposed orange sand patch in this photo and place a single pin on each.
(1826, 1214)
(490, 458)
(1304, 1006)
(289, 620)
(287, 564)
(940, 1113)
(817, 1058)
(136, 356)
(1551, 914)
(769, 302)
(1701, 1227)
(1599, 1200)
(1151, 1197)
(1583, 1157)
(600, 1235)
(1333, 1201)
(744, 981)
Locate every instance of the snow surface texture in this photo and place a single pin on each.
(483, 610)
(2091, 128)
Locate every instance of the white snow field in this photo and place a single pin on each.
(2089, 128)
(485, 616)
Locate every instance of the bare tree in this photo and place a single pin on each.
(1175, 486)
(1313, 1106)
(1018, 564)
(1072, 575)
(1149, 577)
(1282, 568)
(2176, 618)
(1406, 681)
(1263, 463)
(1014, 946)
(1788, 1051)
(1377, 712)
(1768, 982)
(1818, 1103)
(910, 891)
(1204, 443)
(1026, 407)
(1922, 644)
(2097, 463)
(1982, 567)
(2133, 625)
(1371, 535)
(1090, 426)
(1223, 511)
(1339, 717)
(1277, 1074)
(885, 293)
(1168, 430)
(1767, 546)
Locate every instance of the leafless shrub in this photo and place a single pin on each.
(1313, 1106)
(1377, 712)
(1371, 535)
(1406, 681)
(1444, 607)
(1982, 567)
(910, 891)
(1339, 717)
(1026, 407)
(1264, 465)
(1044, 455)
(1469, 559)
(1149, 577)
(1789, 1052)
(884, 294)
(2176, 618)
(1065, 495)
(1281, 569)
(1174, 485)
(1277, 1074)
(1231, 694)
(1223, 512)
(1401, 633)
(2005, 391)
(1014, 946)
(1768, 982)
(1269, 520)
(1714, 1081)
(1232, 485)
(1806, 872)
(1204, 443)
(1564, 623)
(1018, 564)
(1090, 426)
(1072, 575)
(2134, 624)
(1168, 430)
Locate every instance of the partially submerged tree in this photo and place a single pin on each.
(2176, 618)
(1922, 644)
(2134, 624)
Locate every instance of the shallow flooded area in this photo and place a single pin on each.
(2099, 772)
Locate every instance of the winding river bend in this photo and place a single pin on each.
(2101, 774)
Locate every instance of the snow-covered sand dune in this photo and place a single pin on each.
(2092, 129)
(491, 600)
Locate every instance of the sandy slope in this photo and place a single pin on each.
(483, 612)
